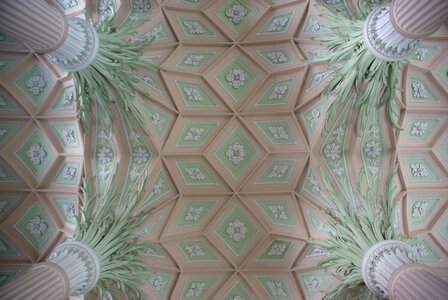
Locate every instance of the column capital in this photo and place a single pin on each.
(380, 262)
(80, 263)
(383, 40)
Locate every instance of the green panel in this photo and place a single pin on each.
(316, 251)
(194, 133)
(313, 282)
(35, 226)
(276, 250)
(419, 169)
(443, 149)
(443, 73)
(196, 288)
(276, 56)
(278, 211)
(157, 191)
(194, 28)
(66, 5)
(236, 230)
(8, 275)
(190, 1)
(6, 103)
(160, 283)
(319, 76)
(196, 251)
(312, 186)
(319, 226)
(372, 149)
(313, 115)
(68, 207)
(423, 250)
(443, 229)
(7, 39)
(195, 58)
(68, 174)
(236, 153)
(418, 129)
(236, 14)
(6, 63)
(195, 173)
(105, 10)
(277, 24)
(67, 134)
(235, 78)
(237, 292)
(149, 81)
(420, 208)
(193, 95)
(332, 152)
(66, 100)
(278, 132)
(6, 175)
(35, 153)
(419, 92)
(6, 202)
(7, 131)
(276, 287)
(277, 93)
(424, 53)
(313, 26)
(150, 228)
(7, 248)
(277, 172)
(140, 8)
(195, 212)
(158, 33)
(158, 119)
(34, 84)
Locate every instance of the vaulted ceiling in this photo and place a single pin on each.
(235, 150)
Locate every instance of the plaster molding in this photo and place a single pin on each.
(383, 40)
(79, 48)
(380, 262)
(81, 265)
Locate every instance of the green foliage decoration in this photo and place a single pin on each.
(114, 239)
(111, 76)
(356, 232)
(356, 68)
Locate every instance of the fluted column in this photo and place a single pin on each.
(418, 18)
(72, 269)
(70, 43)
(39, 23)
(417, 282)
(44, 281)
(394, 31)
(391, 269)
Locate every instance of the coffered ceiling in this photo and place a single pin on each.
(235, 150)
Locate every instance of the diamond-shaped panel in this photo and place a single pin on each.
(236, 14)
(236, 230)
(236, 152)
(34, 83)
(35, 226)
(35, 153)
(235, 78)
